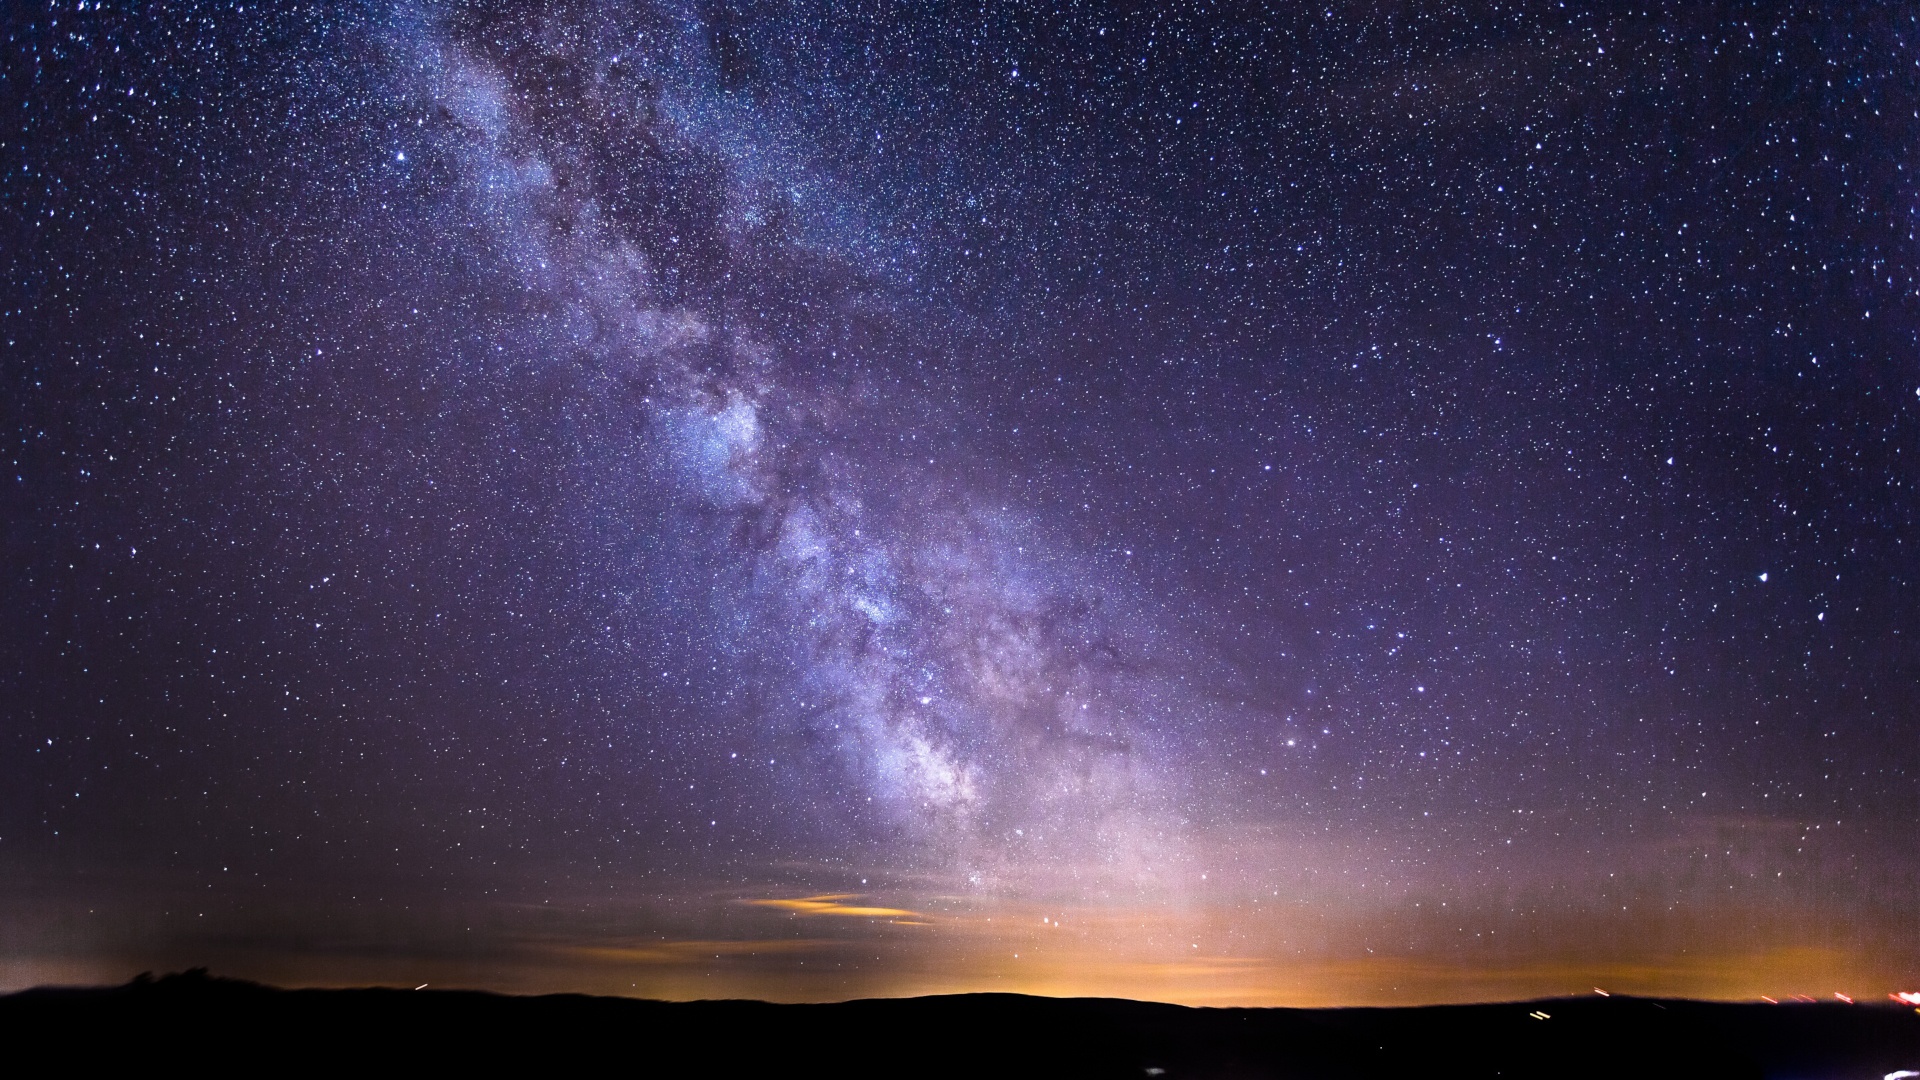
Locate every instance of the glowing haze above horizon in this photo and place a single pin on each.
(1307, 504)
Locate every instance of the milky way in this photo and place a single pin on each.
(952, 673)
(1357, 503)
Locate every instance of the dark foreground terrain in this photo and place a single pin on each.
(200, 1024)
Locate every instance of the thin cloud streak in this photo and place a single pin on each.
(830, 904)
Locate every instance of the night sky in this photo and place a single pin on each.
(1316, 503)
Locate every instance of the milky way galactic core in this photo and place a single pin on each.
(1357, 503)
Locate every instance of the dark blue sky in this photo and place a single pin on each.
(531, 492)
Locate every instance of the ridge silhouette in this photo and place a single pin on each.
(219, 1024)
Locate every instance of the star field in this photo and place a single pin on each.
(1348, 502)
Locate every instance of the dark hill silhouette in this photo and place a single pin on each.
(196, 1022)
